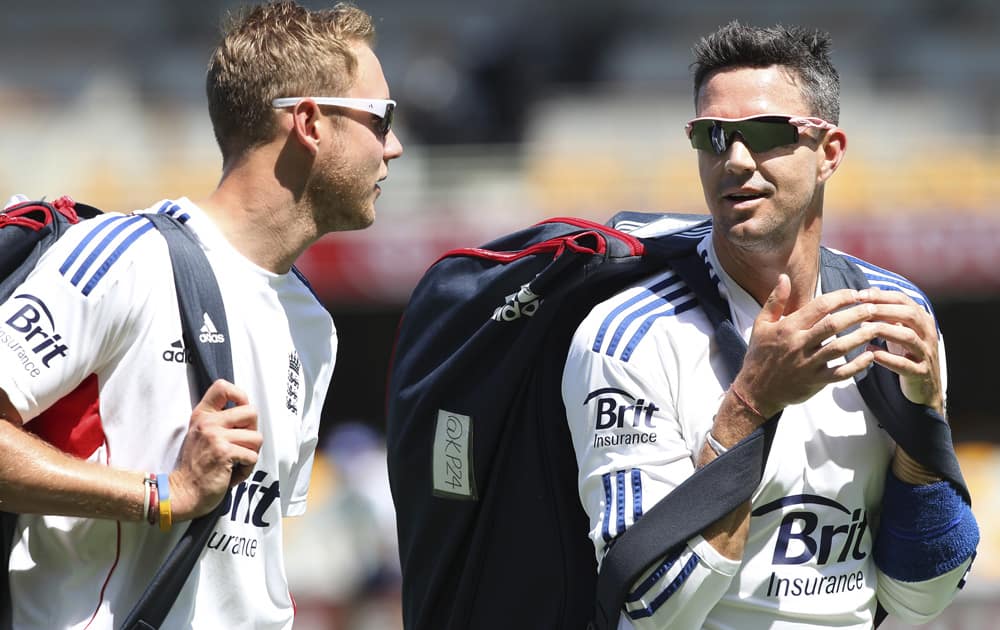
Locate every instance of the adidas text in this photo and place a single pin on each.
(177, 353)
(523, 303)
(209, 333)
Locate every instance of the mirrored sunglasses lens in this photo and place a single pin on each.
(720, 138)
(764, 135)
(758, 135)
(386, 123)
(701, 135)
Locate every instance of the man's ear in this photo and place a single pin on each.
(305, 124)
(831, 152)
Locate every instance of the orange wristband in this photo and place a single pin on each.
(746, 403)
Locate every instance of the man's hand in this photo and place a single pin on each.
(912, 353)
(788, 358)
(219, 451)
(911, 336)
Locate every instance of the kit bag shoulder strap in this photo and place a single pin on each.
(199, 300)
(712, 492)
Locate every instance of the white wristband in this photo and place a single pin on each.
(714, 444)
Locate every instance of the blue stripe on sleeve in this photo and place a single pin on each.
(82, 245)
(172, 209)
(889, 281)
(636, 495)
(120, 226)
(655, 576)
(664, 595)
(113, 257)
(641, 312)
(608, 498)
(620, 504)
(646, 293)
(646, 325)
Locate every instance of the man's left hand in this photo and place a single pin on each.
(912, 345)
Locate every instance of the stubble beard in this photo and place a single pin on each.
(755, 235)
(340, 199)
(763, 233)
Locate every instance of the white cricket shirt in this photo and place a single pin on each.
(97, 323)
(641, 387)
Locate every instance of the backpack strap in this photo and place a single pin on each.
(197, 296)
(703, 498)
(919, 430)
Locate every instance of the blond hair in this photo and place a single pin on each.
(274, 50)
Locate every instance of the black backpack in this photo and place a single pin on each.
(481, 466)
(27, 230)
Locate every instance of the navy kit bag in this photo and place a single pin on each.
(483, 474)
(27, 230)
(480, 461)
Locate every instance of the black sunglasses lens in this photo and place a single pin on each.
(759, 135)
(701, 135)
(386, 122)
(764, 135)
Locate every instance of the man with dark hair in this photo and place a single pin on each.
(843, 519)
(302, 114)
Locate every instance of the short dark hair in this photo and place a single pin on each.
(802, 50)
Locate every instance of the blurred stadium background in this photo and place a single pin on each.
(511, 112)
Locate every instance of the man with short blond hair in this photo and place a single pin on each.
(302, 114)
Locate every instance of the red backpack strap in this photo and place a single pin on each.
(34, 215)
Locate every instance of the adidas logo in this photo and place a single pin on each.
(177, 353)
(209, 333)
(524, 303)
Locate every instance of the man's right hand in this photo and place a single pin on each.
(788, 358)
(787, 362)
(219, 451)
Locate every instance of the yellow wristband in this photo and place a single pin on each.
(166, 517)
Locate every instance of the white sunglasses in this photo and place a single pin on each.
(380, 107)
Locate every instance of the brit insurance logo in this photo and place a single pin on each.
(247, 503)
(30, 333)
(621, 418)
(818, 533)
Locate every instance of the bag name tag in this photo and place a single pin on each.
(453, 473)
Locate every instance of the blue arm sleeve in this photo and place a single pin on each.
(926, 530)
